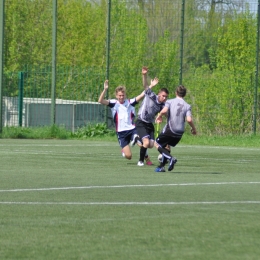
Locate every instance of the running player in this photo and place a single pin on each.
(177, 111)
(151, 105)
(123, 112)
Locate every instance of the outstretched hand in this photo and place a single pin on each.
(193, 131)
(158, 119)
(154, 82)
(106, 84)
(144, 70)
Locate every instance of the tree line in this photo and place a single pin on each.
(219, 52)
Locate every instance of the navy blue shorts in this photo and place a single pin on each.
(125, 137)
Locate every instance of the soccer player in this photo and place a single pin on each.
(123, 112)
(177, 111)
(151, 105)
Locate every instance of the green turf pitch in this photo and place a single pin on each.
(83, 200)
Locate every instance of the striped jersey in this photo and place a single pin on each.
(150, 107)
(178, 110)
(123, 114)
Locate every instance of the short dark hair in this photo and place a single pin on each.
(181, 91)
(164, 90)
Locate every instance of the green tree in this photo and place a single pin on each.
(81, 33)
(28, 33)
(223, 96)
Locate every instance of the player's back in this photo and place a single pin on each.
(178, 110)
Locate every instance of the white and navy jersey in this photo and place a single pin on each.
(150, 107)
(123, 114)
(178, 110)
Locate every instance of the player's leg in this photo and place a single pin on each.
(142, 153)
(151, 144)
(144, 150)
(161, 142)
(135, 138)
(127, 152)
(141, 141)
(145, 131)
(160, 168)
(140, 128)
(124, 139)
(167, 156)
(174, 140)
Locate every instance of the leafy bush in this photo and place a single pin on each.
(58, 132)
(47, 132)
(91, 130)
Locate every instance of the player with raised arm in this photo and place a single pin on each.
(123, 112)
(178, 111)
(151, 105)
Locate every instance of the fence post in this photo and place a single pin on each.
(2, 19)
(256, 69)
(107, 53)
(20, 100)
(54, 47)
(181, 40)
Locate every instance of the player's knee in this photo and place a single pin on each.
(128, 157)
(151, 144)
(146, 142)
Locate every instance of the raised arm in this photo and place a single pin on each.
(102, 99)
(154, 82)
(144, 77)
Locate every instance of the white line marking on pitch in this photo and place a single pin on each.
(131, 186)
(221, 147)
(131, 203)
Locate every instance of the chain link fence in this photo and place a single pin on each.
(211, 47)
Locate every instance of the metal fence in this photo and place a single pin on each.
(30, 103)
(211, 47)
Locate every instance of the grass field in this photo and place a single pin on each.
(67, 199)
